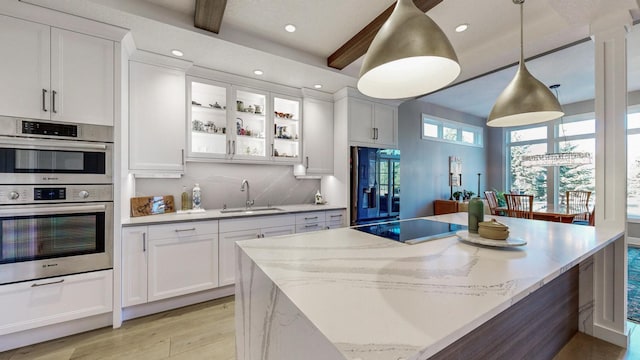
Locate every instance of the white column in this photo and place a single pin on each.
(610, 271)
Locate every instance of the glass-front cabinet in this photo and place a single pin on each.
(209, 120)
(236, 123)
(250, 124)
(286, 129)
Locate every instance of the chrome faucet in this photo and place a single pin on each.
(248, 203)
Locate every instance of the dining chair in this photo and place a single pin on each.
(492, 200)
(578, 202)
(519, 206)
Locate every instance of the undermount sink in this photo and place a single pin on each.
(251, 210)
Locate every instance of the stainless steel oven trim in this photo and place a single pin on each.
(12, 126)
(58, 178)
(46, 268)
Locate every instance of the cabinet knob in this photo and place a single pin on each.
(83, 194)
(14, 195)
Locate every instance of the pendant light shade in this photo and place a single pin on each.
(410, 56)
(525, 100)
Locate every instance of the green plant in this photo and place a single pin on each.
(457, 194)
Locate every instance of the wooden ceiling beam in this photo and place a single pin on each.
(358, 45)
(209, 14)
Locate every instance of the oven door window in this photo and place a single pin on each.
(51, 161)
(25, 238)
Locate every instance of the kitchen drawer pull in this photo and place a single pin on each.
(44, 95)
(311, 218)
(181, 230)
(336, 216)
(53, 102)
(310, 226)
(49, 283)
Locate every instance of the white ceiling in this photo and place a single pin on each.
(252, 37)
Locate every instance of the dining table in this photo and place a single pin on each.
(550, 212)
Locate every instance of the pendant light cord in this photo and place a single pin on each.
(521, 32)
(555, 89)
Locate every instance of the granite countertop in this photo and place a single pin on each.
(217, 214)
(369, 295)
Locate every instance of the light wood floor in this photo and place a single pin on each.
(206, 331)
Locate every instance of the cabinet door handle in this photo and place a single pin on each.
(376, 133)
(181, 230)
(49, 283)
(228, 147)
(144, 242)
(306, 166)
(263, 236)
(233, 147)
(311, 218)
(182, 154)
(336, 216)
(310, 226)
(53, 101)
(44, 99)
(373, 133)
(258, 236)
(272, 149)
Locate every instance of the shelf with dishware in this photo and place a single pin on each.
(260, 126)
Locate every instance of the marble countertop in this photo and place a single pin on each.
(379, 299)
(217, 214)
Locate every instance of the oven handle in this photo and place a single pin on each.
(53, 210)
(45, 144)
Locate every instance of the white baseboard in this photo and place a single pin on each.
(50, 332)
(133, 312)
(611, 336)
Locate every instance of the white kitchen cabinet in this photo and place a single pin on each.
(134, 265)
(55, 74)
(82, 78)
(335, 219)
(182, 259)
(372, 124)
(208, 137)
(157, 118)
(311, 221)
(287, 123)
(31, 304)
(318, 137)
(232, 230)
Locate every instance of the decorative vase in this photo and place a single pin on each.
(476, 214)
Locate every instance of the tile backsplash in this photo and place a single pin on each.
(220, 184)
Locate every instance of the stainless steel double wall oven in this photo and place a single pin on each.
(56, 199)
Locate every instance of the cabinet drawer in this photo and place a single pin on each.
(190, 228)
(335, 218)
(256, 222)
(32, 304)
(301, 228)
(310, 217)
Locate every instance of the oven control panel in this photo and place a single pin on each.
(37, 194)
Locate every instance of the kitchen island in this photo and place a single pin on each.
(345, 294)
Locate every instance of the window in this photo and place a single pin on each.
(549, 184)
(633, 164)
(434, 128)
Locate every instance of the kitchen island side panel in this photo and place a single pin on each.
(268, 324)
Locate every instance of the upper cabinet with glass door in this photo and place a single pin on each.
(250, 125)
(209, 120)
(286, 129)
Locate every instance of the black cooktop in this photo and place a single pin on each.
(412, 231)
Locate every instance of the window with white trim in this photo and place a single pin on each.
(434, 128)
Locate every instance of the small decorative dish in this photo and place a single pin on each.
(511, 241)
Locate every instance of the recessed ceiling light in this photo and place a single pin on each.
(258, 72)
(462, 27)
(177, 52)
(290, 28)
(317, 86)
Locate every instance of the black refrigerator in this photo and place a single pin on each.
(375, 185)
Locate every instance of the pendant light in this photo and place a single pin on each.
(525, 100)
(409, 56)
